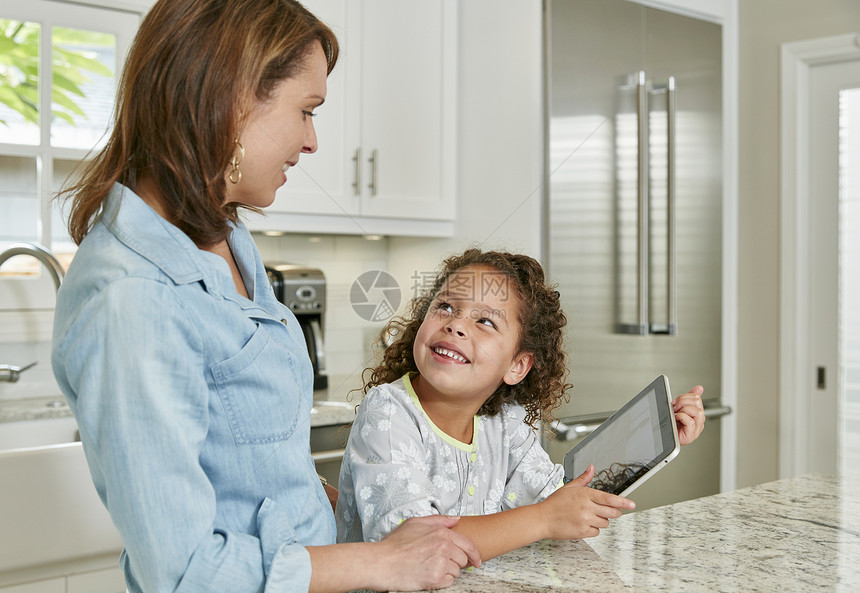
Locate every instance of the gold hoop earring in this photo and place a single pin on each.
(235, 175)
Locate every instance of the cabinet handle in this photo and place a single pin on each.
(374, 166)
(356, 183)
(323, 456)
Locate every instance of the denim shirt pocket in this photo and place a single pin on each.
(259, 390)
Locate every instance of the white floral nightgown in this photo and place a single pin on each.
(398, 464)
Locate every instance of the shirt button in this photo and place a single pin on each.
(474, 457)
(284, 321)
(471, 490)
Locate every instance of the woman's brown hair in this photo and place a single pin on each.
(541, 320)
(195, 66)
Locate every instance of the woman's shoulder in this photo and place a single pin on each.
(103, 260)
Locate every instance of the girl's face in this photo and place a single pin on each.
(276, 132)
(468, 343)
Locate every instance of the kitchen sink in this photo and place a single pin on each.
(28, 434)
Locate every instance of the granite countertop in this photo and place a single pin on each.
(800, 534)
(34, 408)
(333, 405)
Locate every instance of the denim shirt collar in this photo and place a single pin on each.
(133, 222)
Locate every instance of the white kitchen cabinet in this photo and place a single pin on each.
(57, 585)
(386, 162)
(109, 580)
(101, 581)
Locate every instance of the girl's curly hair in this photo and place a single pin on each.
(541, 333)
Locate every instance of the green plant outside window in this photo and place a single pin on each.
(72, 63)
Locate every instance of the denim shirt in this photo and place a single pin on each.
(193, 405)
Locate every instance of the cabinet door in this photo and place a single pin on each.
(408, 100)
(322, 182)
(57, 585)
(101, 581)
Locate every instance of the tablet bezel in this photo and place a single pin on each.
(659, 390)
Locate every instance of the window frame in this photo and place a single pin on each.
(120, 19)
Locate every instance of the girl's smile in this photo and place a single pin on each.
(447, 352)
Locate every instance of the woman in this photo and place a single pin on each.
(189, 381)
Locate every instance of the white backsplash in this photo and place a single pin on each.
(37, 381)
(348, 337)
(25, 337)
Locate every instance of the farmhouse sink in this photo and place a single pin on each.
(52, 515)
(51, 512)
(38, 433)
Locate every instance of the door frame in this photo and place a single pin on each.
(797, 60)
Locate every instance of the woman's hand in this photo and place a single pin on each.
(575, 511)
(689, 414)
(424, 553)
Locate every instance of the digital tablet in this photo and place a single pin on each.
(632, 445)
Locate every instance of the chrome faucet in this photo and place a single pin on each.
(41, 254)
(9, 373)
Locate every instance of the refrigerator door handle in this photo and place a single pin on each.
(641, 325)
(643, 281)
(670, 327)
(672, 280)
(571, 429)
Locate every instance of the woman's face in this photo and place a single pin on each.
(276, 132)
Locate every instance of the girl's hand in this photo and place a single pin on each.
(575, 511)
(424, 553)
(689, 414)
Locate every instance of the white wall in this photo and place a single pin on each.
(500, 140)
(26, 317)
(764, 26)
(500, 154)
(500, 175)
(500, 168)
(342, 259)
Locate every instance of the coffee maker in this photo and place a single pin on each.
(302, 289)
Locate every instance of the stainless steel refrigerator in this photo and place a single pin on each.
(633, 216)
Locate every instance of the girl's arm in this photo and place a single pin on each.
(573, 511)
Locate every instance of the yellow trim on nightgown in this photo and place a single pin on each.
(444, 436)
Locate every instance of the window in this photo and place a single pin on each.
(59, 64)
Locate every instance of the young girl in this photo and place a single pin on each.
(447, 424)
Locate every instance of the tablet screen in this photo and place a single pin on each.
(631, 445)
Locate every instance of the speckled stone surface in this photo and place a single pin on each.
(801, 534)
(34, 408)
(331, 406)
(550, 566)
(325, 413)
